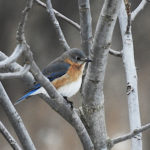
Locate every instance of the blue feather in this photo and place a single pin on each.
(27, 95)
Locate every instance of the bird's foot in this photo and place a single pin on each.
(69, 102)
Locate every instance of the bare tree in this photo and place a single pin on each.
(88, 120)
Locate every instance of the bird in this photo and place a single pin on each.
(65, 73)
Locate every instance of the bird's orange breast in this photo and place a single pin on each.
(73, 74)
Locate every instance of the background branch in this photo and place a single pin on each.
(138, 9)
(9, 137)
(115, 53)
(131, 134)
(58, 14)
(131, 77)
(56, 26)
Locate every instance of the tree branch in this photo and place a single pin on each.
(131, 77)
(9, 137)
(15, 120)
(86, 25)
(58, 14)
(93, 102)
(131, 134)
(138, 9)
(18, 74)
(14, 56)
(21, 27)
(115, 53)
(56, 26)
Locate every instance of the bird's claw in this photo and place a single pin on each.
(69, 102)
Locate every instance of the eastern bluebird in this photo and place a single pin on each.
(65, 73)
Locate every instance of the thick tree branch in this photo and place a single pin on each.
(131, 134)
(15, 120)
(138, 9)
(86, 25)
(93, 103)
(9, 137)
(58, 14)
(131, 77)
(18, 74)
(115, 53)
(56, 26)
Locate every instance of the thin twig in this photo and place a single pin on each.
(138, 9)
(21, 27)
(58, 14)
(18, 74)
(9, 137)
(56, 26)
(115, 53)
(131, 134)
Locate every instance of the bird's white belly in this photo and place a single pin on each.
(70, 89)
(67, 90)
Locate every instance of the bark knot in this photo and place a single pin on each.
(129, 89)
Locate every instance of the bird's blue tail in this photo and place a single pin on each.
(35, 88)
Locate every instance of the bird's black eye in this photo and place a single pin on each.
(78, 58)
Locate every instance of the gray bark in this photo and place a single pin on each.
(131, 78)
(93, 103)
(86, 25)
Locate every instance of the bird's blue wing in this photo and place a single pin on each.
(52, 71)
(56, 70)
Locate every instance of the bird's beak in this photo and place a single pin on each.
(87, 60)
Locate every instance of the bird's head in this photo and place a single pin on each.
(77, 56)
